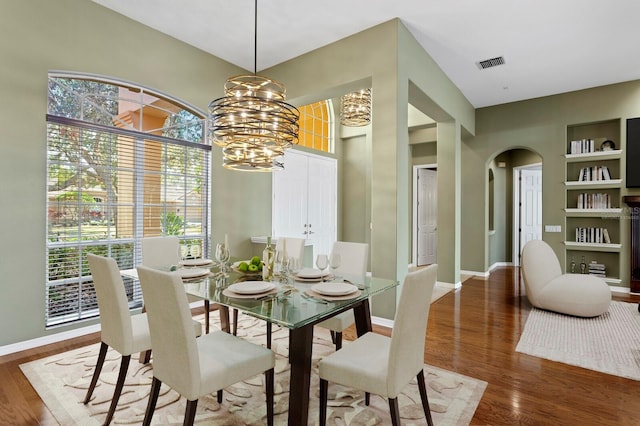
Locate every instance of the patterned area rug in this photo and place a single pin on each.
(62, 380)
(609, 343)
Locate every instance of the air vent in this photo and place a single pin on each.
(493, 62)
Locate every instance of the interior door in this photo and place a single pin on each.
(305, 200)
(427, 216)
(530, 205)
(289, 207)
(322, 203)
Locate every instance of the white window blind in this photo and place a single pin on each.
(122, 164)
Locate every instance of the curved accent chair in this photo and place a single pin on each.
(580, 295)
(383, 365)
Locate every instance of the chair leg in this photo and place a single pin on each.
(269, 385)
(367, 398)
(96, 373)
(338, 340)
(153, 398)
(207, 307)
(394, 411)
(220, 395)
(145, 357)
(423, 396)
(269, 329)
(235, 322)
(324, 387)
(190, 413)
(122, 375)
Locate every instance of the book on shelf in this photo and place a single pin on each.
(592, 235)
(582, 146)
(597, 269)
(594, 173)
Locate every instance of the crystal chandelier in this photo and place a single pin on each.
(252, 122)
(355, 110)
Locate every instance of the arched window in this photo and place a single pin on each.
(316, 126)
(123, 163)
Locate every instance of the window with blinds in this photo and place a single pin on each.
(123, 164)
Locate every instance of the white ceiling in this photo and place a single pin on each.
(549, 46)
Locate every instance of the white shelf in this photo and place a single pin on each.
(594, 184)
(611, 248)
(615, 212)
(595, 156)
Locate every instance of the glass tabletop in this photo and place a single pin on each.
(290, 304)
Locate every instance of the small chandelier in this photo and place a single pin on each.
(252, 122)
(355, 110)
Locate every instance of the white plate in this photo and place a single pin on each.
(251, 287)
(307, 273)
(195, 262)
(192, 272)
(334, 288)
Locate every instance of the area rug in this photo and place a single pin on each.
(61, 381)
(609, 343)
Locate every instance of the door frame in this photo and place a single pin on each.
(516, 209)
(414, 209)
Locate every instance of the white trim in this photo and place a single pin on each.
(55, 338)
(480, 274)
(46, 340)
(384, 322)
(623, 290)
(499, 265)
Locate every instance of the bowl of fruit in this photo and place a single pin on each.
(252, 266)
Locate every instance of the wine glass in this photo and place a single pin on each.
(222, 256)
(322, 262)
(334, 262)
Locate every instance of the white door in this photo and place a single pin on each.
(531, 205)
(427, 216)
(322, 204)
(305, 199)
(289, 208)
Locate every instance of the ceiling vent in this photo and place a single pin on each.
(493, 62)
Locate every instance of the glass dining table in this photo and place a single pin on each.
(293, 306)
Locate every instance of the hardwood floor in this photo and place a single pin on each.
(473, 331)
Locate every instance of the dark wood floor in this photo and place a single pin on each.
(473, 331)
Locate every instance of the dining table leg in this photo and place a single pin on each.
(301, 345)
(362, 314)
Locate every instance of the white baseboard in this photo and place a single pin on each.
(475, 273)
(499, 264)
(383, 322)
(623, 290)
(46, 340)
(57, 337)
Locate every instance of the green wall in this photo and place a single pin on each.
(81, 36)
(538, 125)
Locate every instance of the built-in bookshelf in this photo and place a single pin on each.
(593, 195)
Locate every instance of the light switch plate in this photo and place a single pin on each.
(552, 228)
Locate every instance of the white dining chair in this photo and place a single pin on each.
(385, 365)
(353, 261)
(195, 367)
(294, 248)
(125, 333)
(163, 251)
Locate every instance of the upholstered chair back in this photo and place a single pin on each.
(353, 257)
(539, 267)
(406, 355)
(295, 247)
(173, 339)
(160, 251)
(115, 318)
